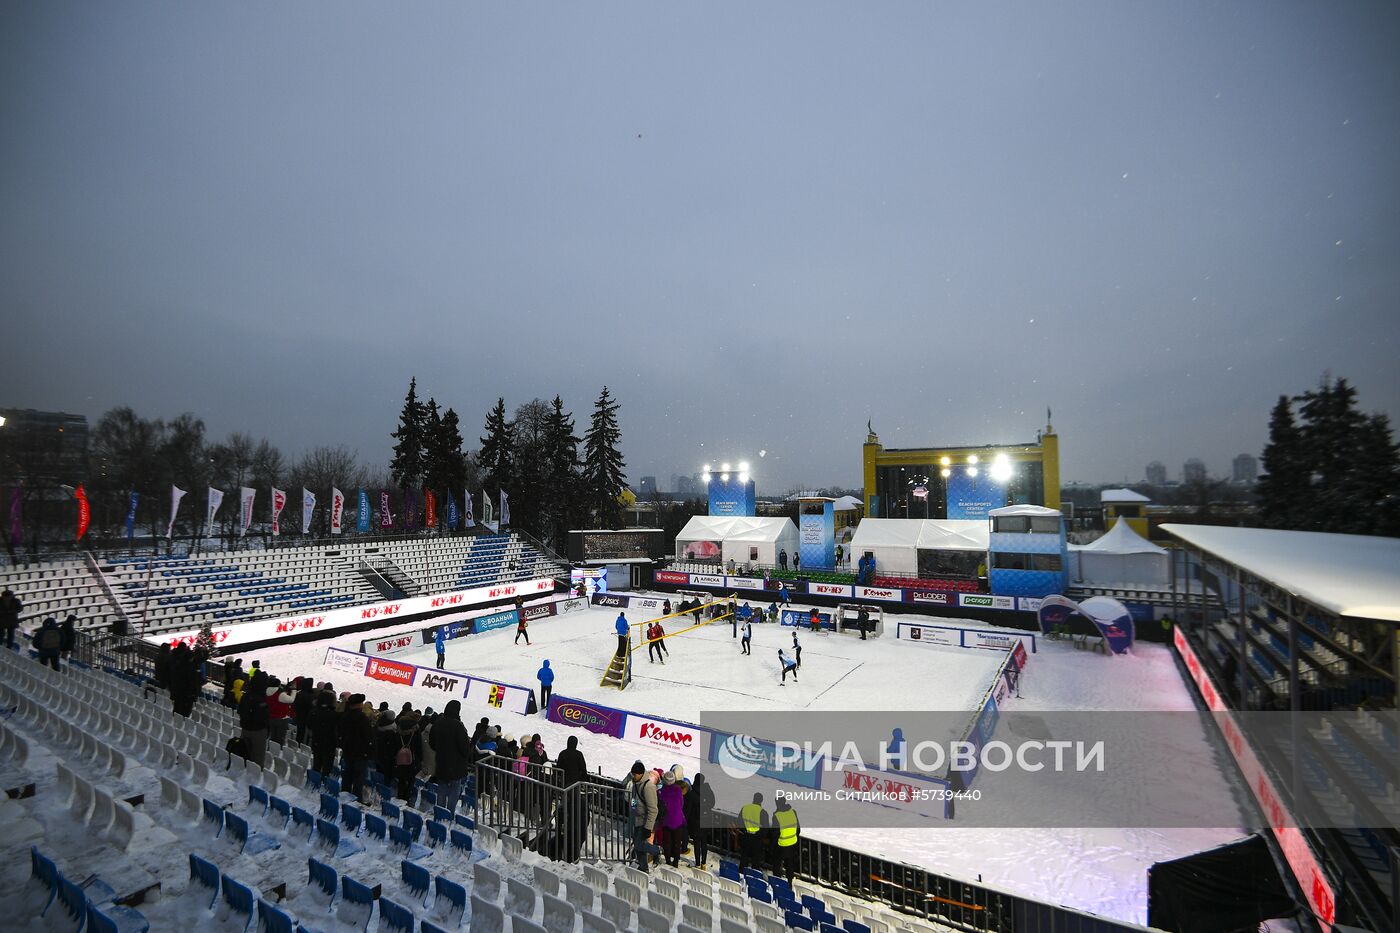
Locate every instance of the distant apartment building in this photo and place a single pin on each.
(648, 488)
(1193, 471)
(687, 487)
(1245, 469)
(1157, 473)
(42, 447)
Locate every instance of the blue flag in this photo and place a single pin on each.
(131, 517)
(362, 524)
(451, 511)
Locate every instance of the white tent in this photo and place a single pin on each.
(1121, 556)
(736, 537)
(896, 542)
(847, 504)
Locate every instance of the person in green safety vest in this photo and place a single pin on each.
(753, 821)
(785, 820)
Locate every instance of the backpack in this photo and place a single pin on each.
(235, 746)
(50, 639)
(404, 757)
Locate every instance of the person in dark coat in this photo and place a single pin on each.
(454, 754)
(69, 631)
(571, 763)
(10, 608)
(356, 742)
(183, 680)
(47, 642)
(233, 672)
(160, 674)
(253, 722)
(324, 723)
(699, 809)
(301, 708)
(406, 730)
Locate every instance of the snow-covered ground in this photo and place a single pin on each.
(1099, 870)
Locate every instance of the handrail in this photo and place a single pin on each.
(96, 571)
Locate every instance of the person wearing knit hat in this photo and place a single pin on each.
(641, 799)
(671, 800)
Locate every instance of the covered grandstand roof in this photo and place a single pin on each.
(922, 533)
(1351, 575)
(734, 528)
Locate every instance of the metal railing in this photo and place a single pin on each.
(588, 819)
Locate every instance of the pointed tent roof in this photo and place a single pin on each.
(925, 533)
(1024, 509)
(734, 528)
(1122, 495)
(1122, 539)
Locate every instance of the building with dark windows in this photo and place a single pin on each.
(960, 482)
(42, 447)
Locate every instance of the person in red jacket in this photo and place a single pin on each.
(279, 710)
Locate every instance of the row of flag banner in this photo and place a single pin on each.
(366, 517)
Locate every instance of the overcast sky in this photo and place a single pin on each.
(758, 224)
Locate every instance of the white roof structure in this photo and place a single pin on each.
(846, 504)
(1121, 495)
(1357, 576)
(734, 528)
(922, 533)
(1121, 539)
(1023, 510)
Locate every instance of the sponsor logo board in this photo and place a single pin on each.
(986, 602)
(879, 592)
(497, 696)
(1028, 603)
(671, 576)
(442, 681)
(610, 599)
(532, 613)
(573, 605)
(924, 596)
(494, 621)
(600, 719)
(930, 635)
(743, 583)
(390, 671)
(706, 579)
(345, 661)
(829, 589)
(664, 734)
(391, 644)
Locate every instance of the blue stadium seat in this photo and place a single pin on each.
(303, 824)
(462, 842)
(442, 814)
(798, 922)
(376, 827)
(330, 807)
(417, 879)
(257, 796)
(115, 920)
(42, 868)
(240, 899)
(395, 918)
(413, 822)
(322, 883)
(465, 821)
(437, 833)
(401, 841)
(249, 843)
(854, 926)
(273, 920)
(279, 813)
(331, 786)
(391, 811)
(351, 817)
(455, 895)
(205, 875)
(71, 904)
(214, 816)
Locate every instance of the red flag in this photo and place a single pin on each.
(429, 509)
(84, 511)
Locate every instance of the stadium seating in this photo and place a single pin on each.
(169, 593)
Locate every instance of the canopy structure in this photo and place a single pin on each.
(846, 504)
(737, 538)
(896, 542)
(1122, 495)
(1023, 510)
(1121, 556)
(1353, 576)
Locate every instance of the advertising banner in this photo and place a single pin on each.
(386, 517)
(499, 696)
(974, 496)
(983, 601)
(706, 579)
(611, 600)
(743, 583)
(452, 516)
(958, 636)
(572, 605)
(346, 661)
(176, 494)
(880, 593)
(839, 590)
(337, 510)
(429, 509)
(1028, 603)
(924, 596)
(592, 579)
(979, 735)
(495, 620)
(647, 603)
(816, 529)
(308, 506)
(541, 611)
(797, 618)
(663, 734)
(450, 630)
(392, 672)
(84, 511)
(603, 720)
(672, 576)
(444, 682)
(930, 635)
(130, 516)
(279, 501)
(392, 644)
(758, 758)
(997, 641)
(895, 790)
(362, 518)
(16, 511)
(730, 497)
(243, 633)
(245, 508)
(216, 499)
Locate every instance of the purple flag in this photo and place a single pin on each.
(410, 507)
(386, 518)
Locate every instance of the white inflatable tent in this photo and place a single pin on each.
(896, 542)
(738, 538)
(1121, 556)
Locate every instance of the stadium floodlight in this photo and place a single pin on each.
(946, 461)
(724, 477)
(945, 472)
(724, 468)
(972, 458)
(743, 468)
(972, 471)
(743, 477)
(1001, 468)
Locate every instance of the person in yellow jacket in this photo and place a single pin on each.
(237, 691)
(753, 826)
(789, 830)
